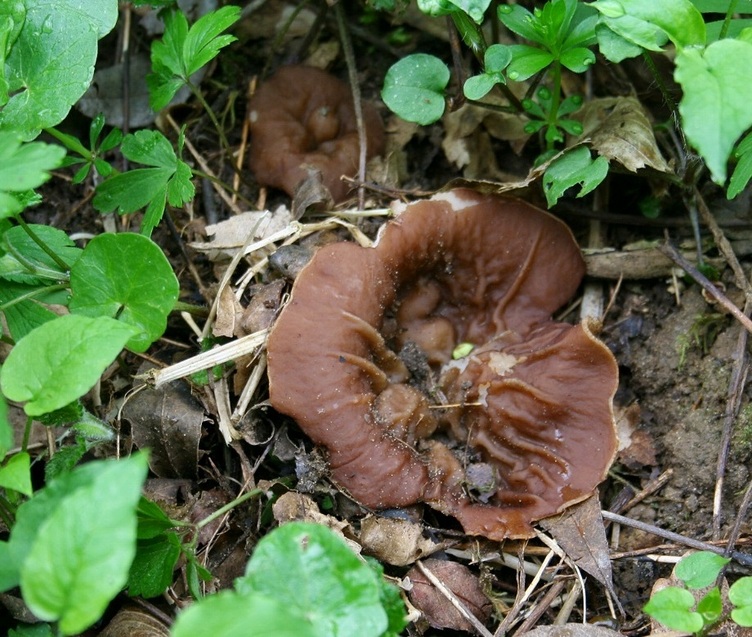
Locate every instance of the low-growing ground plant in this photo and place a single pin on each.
(676, 607)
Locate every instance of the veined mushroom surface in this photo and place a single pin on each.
(362, 358)
(303, 119)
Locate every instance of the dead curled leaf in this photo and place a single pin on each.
(619, 129)
(398, 542)
(460, 580)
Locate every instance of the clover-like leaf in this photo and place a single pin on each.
(414, 88)
(671, 606)
(700, 569)
(141, 294)
(740, 595)
(717, 90)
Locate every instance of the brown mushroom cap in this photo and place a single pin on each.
(533, 400)
(303, 118)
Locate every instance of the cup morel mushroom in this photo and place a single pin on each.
(303, 119)
(361, 357)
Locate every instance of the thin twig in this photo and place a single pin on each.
(352, 73)
(742, 558)
(741, 517)
(673, 254)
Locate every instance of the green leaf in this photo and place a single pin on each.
(228, 614)
(83, 550)
(61, 360)
(65, 459)
(414, 88)
(318, 576)
(16, 473)
(578, 59)
(152, 521)
(22, 167)
(711, 606)
(142, 187)
(6, 431)
(35, 260)
(636, 21)
(671, 607)
(51, 63)
(740, 595)
(520, 21)
(141, 294)
(572, 168)
(700, 569)
(527, 61)
(152, 568)
(478, 86)
(33, 630)
(183, 51)
(476, 9)
(717, 86)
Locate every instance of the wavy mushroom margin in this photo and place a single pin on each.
(361, 358)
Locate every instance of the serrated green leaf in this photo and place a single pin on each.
(152, 521)
(717, 86)
(414, 88)
(204, 41)
(637, 20)
(149, 147)
(22, 167)
(83, 550)
(319, 577)
(140, 295)
(671, 607)
(228, 614)
(16, 473)
(575, 167)
(61, 360)
(152, 568)
(51, 63)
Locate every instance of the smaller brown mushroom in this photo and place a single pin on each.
(303, 119)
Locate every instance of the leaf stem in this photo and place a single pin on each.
(205, 105)
(47, 250)
(30, 295)
(727, 20)
(229, 506)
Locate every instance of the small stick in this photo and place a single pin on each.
(706, 284)
(352, 73)
(742, 558)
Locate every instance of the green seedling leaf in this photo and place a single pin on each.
(700, 569)
(22, 167)
(305, 564)
(575, 167)
(717, 85)
(527, 61)
(168, 180)
(414, 88)
(578, 59)
(711, 606)
(51, 63)
(614, 47)
(637, 21)
(152, 521)
(65, 459)
(152, 568)
(61, 360)
(140, 295)
(183, 51)
(671, 607)
(228, 614)
(83, 550)
(496, 59)
(16, 473)
(740, 595)
(6, 431)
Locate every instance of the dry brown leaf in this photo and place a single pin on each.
(398, 542)
(619, 129)
(135, 622)
(572, 630)
(636, 446)
(582, 535)
(168, 422)
(435, 606)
